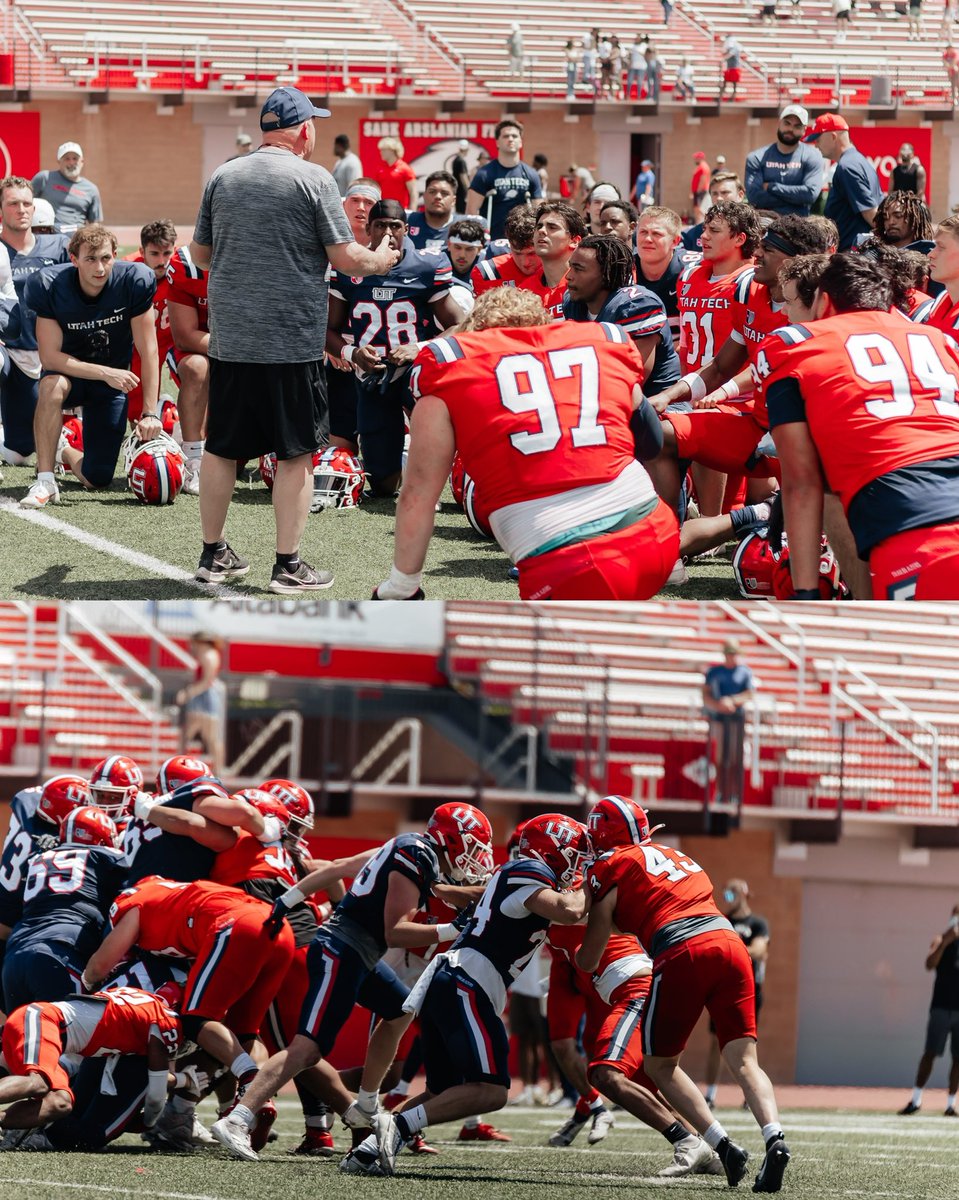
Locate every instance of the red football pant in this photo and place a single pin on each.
(33, 1043)
(919, 564)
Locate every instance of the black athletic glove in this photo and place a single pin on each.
(274, 922)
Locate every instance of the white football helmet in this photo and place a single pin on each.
(338, 480)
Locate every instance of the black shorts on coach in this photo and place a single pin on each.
(259, 408)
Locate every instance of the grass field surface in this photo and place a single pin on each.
(835, 1155)
(108, 546)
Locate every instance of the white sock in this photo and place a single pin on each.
(951, 1100)
(46, 478)
(242, 1065)
(368, 1101)
(772, 1130)
(711, 1090)
(320, 1122)
(917, 1096)
(193, 450)
(242, 1113)
(714, 1134)
(415, 1119)
(471, 1122)
(597, 1104)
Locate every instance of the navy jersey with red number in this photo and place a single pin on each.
(387, 311)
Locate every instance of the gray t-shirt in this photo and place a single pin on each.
(269, 217)
(75, 201)
(345, 170)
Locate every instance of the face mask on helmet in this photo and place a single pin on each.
(298, 802)
(114, 784)
(465, 836)
(830, 582)
(338, 480)
(560, 842)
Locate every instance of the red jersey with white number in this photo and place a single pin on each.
(755, 316)
(657, 885)
(552, 297)
(187, 284)
(249, 858)
(176, 918)
(877, 392)
(563, 941)
(942, 313)
(536, 411)
(500, 271)
(706, 313)
(124, 1027)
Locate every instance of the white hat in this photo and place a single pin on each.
(464, 144)
(795, 110)
(43, 213)
(69, 148)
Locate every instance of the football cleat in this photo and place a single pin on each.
(603, 1122)
(566, 1134)
(770, 1177)
(691, 1156)
(389, 1141)
(482, 1133)
(734, 1159)
(909, 1109)
(265, 1120)
(235, 1136)
(317, 1143)
(360, 1164)
(465, 836)
(419, 1145)
(40, 496)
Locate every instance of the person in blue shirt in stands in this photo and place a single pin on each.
(728, 688)
(855, 192)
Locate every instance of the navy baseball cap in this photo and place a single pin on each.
(287, 107)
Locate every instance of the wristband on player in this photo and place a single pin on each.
(697, 389)
(730, 390)
(806, 594)
(447, 933)
(292, 897)
(347, 352)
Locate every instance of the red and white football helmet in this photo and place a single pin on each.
(458, 478)
(88, 826)
(465, 836)
(61, 795)
(265, 804)
(615, 821)
(512, 844)
(753, 564)
(559, 842)
(298, 802)
(169, 416)
(114, 784)
(268, 470)
(179, 769)
(831, 586)
(156, 471)
(72, 433)
(476, 511)
(338, 480)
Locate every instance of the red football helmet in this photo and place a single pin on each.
(297, 800)
(265, 804)
(114, 784)
(88, 826)
(559, 842)
(171, 993)
(465, 836)
(458, 478)
(338, 479)
(753, 565)
(476, 511)
(169, 416)
(512, 846)
(156, 471)
(615, 821)
(268, 470)
(831, 586)
(73, 432)
(61, 795)
(178, 770)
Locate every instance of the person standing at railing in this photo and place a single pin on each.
(204, 702)
(729, 687)
(943, 958)
(514, 47)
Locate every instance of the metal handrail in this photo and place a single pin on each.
(410, 758)
(155, 634)
(291, 749)
(763, 635)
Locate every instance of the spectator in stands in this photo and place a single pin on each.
(732, 72)
(785, 176)
(75, 200)
(754, 932)
(943, 1023)
(854, 193)
(396, 179)
(636, 74)
(667, 10)
(915, 20)
(685, 86)
(767, 14)
(459, 169)
(842, 11)
(591, 64)
(949, 10)
(950, 60)
(908, 175)
(514, 48)
(204, 700)
(244, 146)
(571, 58)
(347, 166)
(727, 689)
(644, 189)
(507, 181)
(268, 329)
(654, 74)
(699, 186)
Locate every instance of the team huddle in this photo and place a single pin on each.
(160, 946)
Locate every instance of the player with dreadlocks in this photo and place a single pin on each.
(599, 287)
(903, 220)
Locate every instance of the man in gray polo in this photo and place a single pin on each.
(75, 200)
(786, 176)
(268, 226)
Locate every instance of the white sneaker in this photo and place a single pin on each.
(358, 1118)
(603, 1122)
(235, 1135)
(191, 477)
(39, 495)
(200, 1135)
(691, 1156)
(389, 1141)
(351, 1165)
(678, 575)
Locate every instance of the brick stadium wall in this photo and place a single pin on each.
(148, 166)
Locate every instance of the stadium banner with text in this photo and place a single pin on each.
(880, 144)
(428, 146)
(20, 143)
(345, 623)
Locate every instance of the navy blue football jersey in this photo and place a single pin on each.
(665, 286)
(388, 311)
(67, 895)
(501, 928)
(424, 236)
(95, 329)
(27, 834)
(50, 250)
(413, 856)
(149, 850)
(640, 313)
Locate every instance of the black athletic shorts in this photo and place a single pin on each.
(259, 408)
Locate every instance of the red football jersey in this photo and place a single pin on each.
(248, 858)
(877, 392)
(538, 410)
(706, 313)
(124, 1027)
(500, 271)
(942, 314)
(552, 297)
(657, 885)
(563, 941)
(754, 317)
(187, 284)
(176, 918)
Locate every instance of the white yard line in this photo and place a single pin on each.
(115, 1191)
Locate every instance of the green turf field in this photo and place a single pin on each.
(835, 1155)
(107, 546)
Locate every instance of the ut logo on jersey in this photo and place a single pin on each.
(750, 317)
(384, 293)
(686, 287)
(562, 834)
(466, 819)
